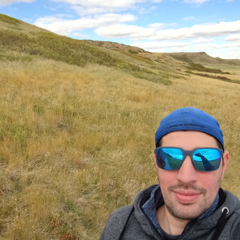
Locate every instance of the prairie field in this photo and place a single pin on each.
(77, 142)
(77, 126)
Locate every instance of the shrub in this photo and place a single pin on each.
(133, 51)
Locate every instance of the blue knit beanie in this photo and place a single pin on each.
(189, 118)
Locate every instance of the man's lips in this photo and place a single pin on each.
(186, 196)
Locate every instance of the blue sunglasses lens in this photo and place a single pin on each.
(204, 159)
(169, 158)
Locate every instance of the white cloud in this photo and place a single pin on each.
(202, 40)
(7, 2)
(82, 11)
(228, 53)
(85, 7)
(125, 31)
(210, 30)
(180, 49)
(195, 1)
(216, 46)
(197, 31)
(65, 27)
(107, 3)
(233, 37)
(158, 45)
(160, 26)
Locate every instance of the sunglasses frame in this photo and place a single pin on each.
(190, 154)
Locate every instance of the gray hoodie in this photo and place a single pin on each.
(130, 222)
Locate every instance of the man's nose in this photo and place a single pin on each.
(187, 172)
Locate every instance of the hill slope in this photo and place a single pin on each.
(27, 41)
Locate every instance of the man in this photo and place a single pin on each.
(188, 203)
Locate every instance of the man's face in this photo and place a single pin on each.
(187, 192)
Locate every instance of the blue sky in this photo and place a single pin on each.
(211, 26)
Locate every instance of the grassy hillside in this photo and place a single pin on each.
(18, 41)
(77, 136)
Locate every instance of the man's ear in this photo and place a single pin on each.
(226, 159)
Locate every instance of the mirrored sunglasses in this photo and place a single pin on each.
(203, 159)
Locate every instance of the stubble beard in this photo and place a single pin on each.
(185, 211)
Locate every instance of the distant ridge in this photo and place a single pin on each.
(202, 58)
(195, 57)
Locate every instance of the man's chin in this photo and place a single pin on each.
(186, 211)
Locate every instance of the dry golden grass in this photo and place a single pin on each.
(233, 70)
(77, 143)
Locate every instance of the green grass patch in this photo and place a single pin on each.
(7, 19)
(133, 51)
(201, 68)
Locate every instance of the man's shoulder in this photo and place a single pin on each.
(121, 213)
(124, 212)
(116, 223)
(232, 200)
(130, 214)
